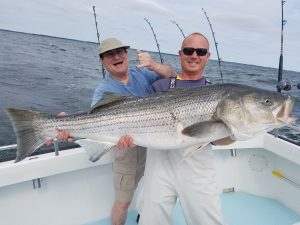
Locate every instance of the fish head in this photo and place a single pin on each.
(251, 111)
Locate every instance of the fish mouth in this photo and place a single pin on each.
(283, 112)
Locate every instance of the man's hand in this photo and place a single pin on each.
(145, 60)
(125, 142)
(62, 135)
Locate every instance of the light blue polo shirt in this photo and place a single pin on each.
(139, 84)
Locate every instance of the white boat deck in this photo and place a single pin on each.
(74, 190)
(238, 208)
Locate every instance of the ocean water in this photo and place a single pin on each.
(51, 75)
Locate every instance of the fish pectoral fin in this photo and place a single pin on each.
(201, 129)
(95, 149)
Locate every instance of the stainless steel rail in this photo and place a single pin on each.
(295, 127)
(14, 146)
(8, 147)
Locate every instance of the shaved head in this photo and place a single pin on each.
(192, 35)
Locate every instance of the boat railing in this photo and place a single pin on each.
(9, 152)
(8, 147)
(293, 127)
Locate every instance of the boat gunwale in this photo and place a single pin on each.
(75, 159)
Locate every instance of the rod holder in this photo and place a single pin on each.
(56, 148)
(37, 183)
(233, 152)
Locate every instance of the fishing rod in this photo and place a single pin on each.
(178, 28)
(98, 36)
(278, 174)
(161, 59)
(216, 45)
(281, 85)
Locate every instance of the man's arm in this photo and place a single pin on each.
(146, 61)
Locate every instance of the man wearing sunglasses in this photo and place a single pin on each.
(170, 176)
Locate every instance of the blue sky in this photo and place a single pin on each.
(246, 31)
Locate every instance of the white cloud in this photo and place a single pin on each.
(247, 31)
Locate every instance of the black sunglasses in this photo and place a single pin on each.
(199, 51)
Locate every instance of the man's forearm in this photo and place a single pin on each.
(163, 69)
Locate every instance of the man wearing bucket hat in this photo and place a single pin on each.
(121, 79)
(128, 166)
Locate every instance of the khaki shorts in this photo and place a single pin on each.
(128, 169)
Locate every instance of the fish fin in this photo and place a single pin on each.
(198, 130)
(95, 149)
(169, 91)
(189, 153)
(174, 90)
(28, 135)
(108, 99)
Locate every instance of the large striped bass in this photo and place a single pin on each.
(174, 119)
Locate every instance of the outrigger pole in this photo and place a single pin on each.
(96, 24)
(283, 22)
(216, 45)
(178, 28)
(161, 59)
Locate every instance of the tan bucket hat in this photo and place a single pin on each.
(110, 44)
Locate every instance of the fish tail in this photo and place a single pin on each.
(28, 133)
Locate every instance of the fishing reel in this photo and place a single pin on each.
(286, 85)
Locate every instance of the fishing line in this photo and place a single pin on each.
(161, 59)
(216, 45)
(178, 28)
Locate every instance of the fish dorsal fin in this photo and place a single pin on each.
(170, 91)
(175, 90)
(108, 99)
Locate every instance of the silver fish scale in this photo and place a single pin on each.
(157, 121)
(160, 113)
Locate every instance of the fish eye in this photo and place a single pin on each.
(268, 101)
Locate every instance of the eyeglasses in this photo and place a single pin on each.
(199, 51)
(112, 53)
